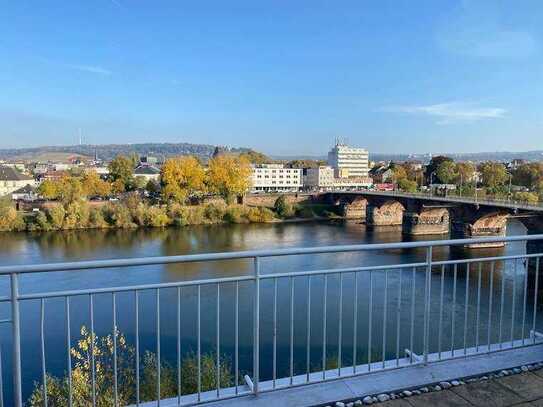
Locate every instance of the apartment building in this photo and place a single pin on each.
(275, 178)
(11, 180)
(348, 161)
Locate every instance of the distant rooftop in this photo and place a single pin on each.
(11, 174)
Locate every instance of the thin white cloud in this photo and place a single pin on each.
(98, 70)
(448, 113)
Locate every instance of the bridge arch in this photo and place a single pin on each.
(389, 213)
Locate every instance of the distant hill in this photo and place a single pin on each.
(109, 151)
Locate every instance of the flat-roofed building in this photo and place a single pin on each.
(275, 178)
(348, 161)
(321, 177)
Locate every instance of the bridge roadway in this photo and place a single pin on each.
(495, 203)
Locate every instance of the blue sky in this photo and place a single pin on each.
(283, 77)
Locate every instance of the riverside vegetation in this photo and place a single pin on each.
(177, 201)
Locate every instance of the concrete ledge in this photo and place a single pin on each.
(385, 381)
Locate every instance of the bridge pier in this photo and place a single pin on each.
(490, 225)
(428, 221)
(355, 209)
(389, 213)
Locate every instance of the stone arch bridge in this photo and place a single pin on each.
(420, 214)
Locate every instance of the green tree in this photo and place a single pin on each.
(432, 167)
(446, 172)
(466, 172)
(407, 185)
(494, 175)
(121, 173)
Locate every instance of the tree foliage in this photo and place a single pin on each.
(102, 349)
(447, 172)
(494, 175)
(181, 178)
(121, 172)
(229, 176)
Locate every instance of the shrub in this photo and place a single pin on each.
(118, 215)
(56, 216)
(11, 220)
(235, 214)
(527, 197)
(259, 215)
(214, 212)
(156, 216)
(305, 212)
(283, 208)
(96, 219)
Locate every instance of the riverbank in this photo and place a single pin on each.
(135, 213)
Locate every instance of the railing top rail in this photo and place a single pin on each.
(190, 258)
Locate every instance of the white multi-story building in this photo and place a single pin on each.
(11, 180)
(348, 161)
(275, 177)
(321, 177)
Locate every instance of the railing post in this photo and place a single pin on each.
(427, 297)
(16, 336)
(256, 327)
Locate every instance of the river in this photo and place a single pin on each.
(25, 248)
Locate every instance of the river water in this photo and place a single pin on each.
(393, 306)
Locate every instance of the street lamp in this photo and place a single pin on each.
(510, 182)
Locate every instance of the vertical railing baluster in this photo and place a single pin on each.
(115, 379)
(218, 340)
(398, 318)
(412, 330)
(502, 302)
(93, 363)
(137, 339)
(178, 345)
(513, 305)
(158, 345)
(427, 299)
(340, 333)
(236, 338)
(69, 347)
(274, 332)
(199, 344)
(385, 307)
(477, 323)
(1, 380)
(42, 347)
(370, 320)
(466, 308)
(325, 294)
(440, 325)
(16, 337)
(291, 330)
(256, 327)
(355, 322)
(525, 299)
(490, 299)
(308, 329)
(535, 298)
(453, 311)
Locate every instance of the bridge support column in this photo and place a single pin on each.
(355, 209)
(429, 221)
(492, 225)
(388, 214)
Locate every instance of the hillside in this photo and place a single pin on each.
(109, 151)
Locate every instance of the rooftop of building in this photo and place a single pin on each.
(11, 174)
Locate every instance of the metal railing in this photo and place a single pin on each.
(409, 313)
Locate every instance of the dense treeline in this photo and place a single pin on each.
(524, 183)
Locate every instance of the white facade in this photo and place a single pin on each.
(348, 161)
(320, 177)
(11, 180)
(275, 177)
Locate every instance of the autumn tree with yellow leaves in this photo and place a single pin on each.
(182, 177)
(229, 176)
